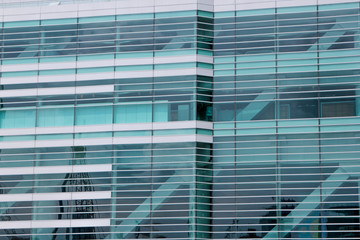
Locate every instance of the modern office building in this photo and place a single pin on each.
(180, 119)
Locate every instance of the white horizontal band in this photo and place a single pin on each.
(108, 127)
(107, 75)
(55, 223)
(62, 9)
(106, 63)
(53, 9)
(55, 196)
(107, 141)
(56, 169)
(57, 91)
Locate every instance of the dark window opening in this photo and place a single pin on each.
(338, 109)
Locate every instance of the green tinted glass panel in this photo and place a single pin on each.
(20, 61)
(54, 136)
(175, 65)
(132, 133)
(134, 16)
(53, 117)
(20, 74)
(97, 19)
(93, 115)
(175, 14)
(17, 118)
(174, 132)
(95, 70)
(94, 135)
(17, 138)
(133, 113)
(22, 23)
(59, 21)
(57, 72)
(135, 68)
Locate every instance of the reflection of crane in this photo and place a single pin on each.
(83, 208)
(267, 222)
(233, 230)
(12, 232)
(6, 217)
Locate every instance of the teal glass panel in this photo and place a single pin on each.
(206, 14)
(205, 65)
(95, 70)
(135, 68)
(340, 121)
(298, 55)
(298, 130)
(174, 132)
(54, 136)
(17, 138)
(297, 9)
(309, 68)
(224, 59)
(53, 117)
(20, 61)
(20, 74)
(339, 53)
(205, 52)
(340, 59)
(255, 131)
(224, 132)
(224, 112)
(204, 132)
(257, 124)
(300, 122)
(261, 57)
(97, 19)
(93, 115)
(256, 71)
(59, 21)
(224, 66)
(224, 14)
(256, 64)
(338, 6)
(22, 23)
(44, 210)
(161, 112)
(175, 14)
(17, 118)
(339, 66)
(57, 72)
(224, 72)
(133, 113)
(255, 12)
(174, 66)
(183, 112)
(224, 125)
(94, 135)
(132, 133)
(341, 128)
(134, 16)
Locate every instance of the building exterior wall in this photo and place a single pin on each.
(199, 119)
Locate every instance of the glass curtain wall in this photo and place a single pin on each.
(285, 118)
(277, 88)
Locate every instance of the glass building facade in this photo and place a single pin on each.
(198, 119)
